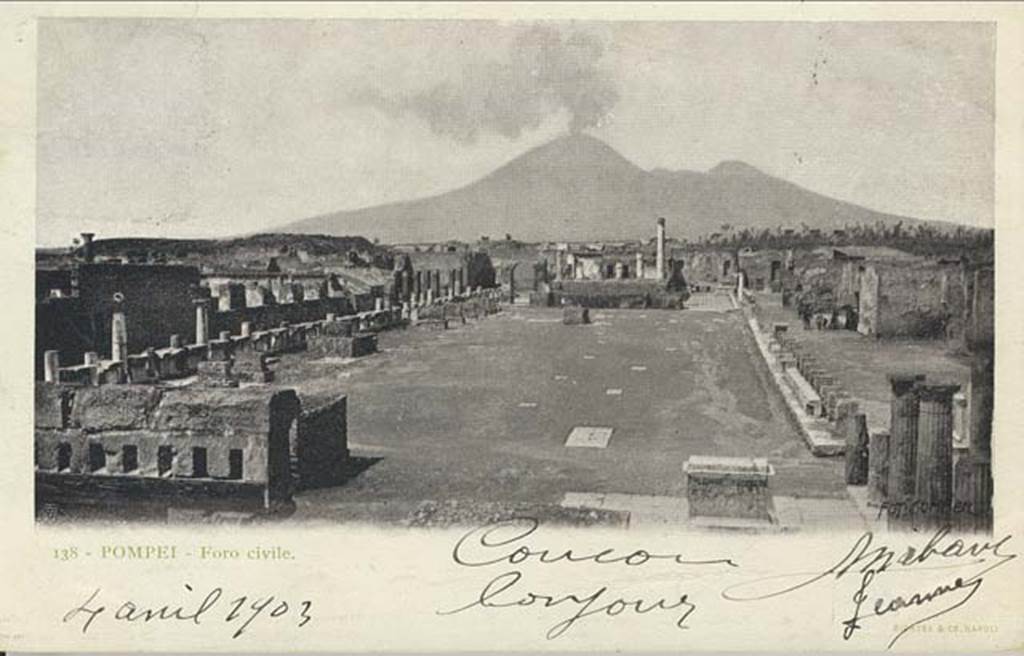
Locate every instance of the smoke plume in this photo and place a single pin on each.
(544, 72)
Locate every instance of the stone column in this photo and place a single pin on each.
(856, 452)
(934, 487)
(639, 265)
(406, 286)
(878, 467)
(202, 321)
(659, 261)
(225, 335)
(51, 366)
(430, 295)
(435, 280)
(980, 404)
(457, 283)
(980, 432)
(118, 334)
(417, 286)
(378, 304)
(904, 408)
(972, 495)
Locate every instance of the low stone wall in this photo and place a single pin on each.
(128, 444)
(178, 360)
(617, 294)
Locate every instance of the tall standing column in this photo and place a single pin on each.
(51, 366)
(659, 262)
(417, 286)
(934, 477)
(202, 321)
(118, 331)
(436, 282)
(973, 485)
(980, 404)
(904, 408)
(878, 467)
(639, 265)
(406, 286)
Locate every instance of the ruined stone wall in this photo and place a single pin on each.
(629, 293)
(716, 266)
(118, 441)
(158, 300)
(907, 300)
(264, 317)
(758, 267)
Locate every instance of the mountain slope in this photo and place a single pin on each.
(578, 187)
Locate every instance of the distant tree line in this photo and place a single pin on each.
(925, 239)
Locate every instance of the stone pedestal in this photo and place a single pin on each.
(734, 488)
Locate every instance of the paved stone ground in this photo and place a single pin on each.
(861, 363)
(475, 419)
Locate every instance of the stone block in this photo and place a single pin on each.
(52, 405)
(50, 445)
(574, 315)
(251, 367)
(83, 374)
(728, 487)
(322, 443)
(216, 373)
(227, 411)
(337, 329)
(114, 407)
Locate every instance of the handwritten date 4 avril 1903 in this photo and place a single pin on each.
(238, 613)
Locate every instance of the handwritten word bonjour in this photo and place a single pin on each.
(503, 543)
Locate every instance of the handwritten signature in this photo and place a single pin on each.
(871, 562)
(241, 611)
(502, 542)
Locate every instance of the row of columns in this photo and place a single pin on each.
(427, 286)
(913, 469)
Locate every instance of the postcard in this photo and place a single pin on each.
(524, 327)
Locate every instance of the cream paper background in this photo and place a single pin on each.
(377, 589)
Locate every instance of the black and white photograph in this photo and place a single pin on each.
(431, 273)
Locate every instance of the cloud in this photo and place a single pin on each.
(543, 73)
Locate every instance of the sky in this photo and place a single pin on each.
(202, 128)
